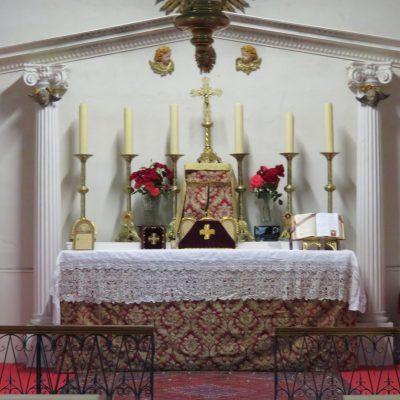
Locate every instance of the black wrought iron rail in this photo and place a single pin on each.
(104, 359)
(332, 363)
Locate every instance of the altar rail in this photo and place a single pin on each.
(107, 360)
(333, 363)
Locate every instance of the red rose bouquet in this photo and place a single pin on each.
(154, 180)
(265, 182)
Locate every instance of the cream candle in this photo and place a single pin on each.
(174, 128)
(128, 138)
(83, 129)
(329, 128)
(289, 132)
(239, 147)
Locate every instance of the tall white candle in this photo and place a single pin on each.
(83, 129)
(329, 128)
(128, 138)
(174, 128)
(289, 132)
(239, 148)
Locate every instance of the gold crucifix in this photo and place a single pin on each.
(208, 155)
(153, 239)
(207, 232)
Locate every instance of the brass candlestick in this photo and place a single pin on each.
(172, 228)
(289, 189)
(83, 232)
(330, 187)
(128, 231)
(244, 234)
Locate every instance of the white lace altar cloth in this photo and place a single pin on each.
(137, 276)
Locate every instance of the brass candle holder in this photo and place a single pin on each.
(289, 189)
(172, 228)
(83, 233)
(128, 231)
(244, 234)
(330, 187)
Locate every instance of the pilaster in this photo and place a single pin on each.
(48, 83)
(367, 81)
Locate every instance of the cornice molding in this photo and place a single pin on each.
(245, 29)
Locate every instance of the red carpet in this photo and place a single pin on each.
(385, 380)
(214, 386)
(179, 385)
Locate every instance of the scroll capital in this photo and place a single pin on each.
(48, 82)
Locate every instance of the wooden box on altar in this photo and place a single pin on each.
(153, 236)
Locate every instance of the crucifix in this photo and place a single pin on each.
(208, 155)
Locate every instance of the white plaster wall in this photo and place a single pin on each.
(26, 20)
(287, 81)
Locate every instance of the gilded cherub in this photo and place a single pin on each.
(372, 95)
(249, 60)
(162, 64)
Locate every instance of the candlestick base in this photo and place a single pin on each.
(128, 231)
(171, 231)
(244, 234)
(287, 226)
(208, 156)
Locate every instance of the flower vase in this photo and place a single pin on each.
(265, 203)
(151, 210)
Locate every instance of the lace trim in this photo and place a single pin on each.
(173, 275)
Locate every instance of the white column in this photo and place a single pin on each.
(48, 85)
(367, 79)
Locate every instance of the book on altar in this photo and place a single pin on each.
(330, 225)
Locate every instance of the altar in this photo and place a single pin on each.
(212, 309)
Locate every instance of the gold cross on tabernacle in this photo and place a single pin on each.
(206, 91)
(207, 232)
(154, 239)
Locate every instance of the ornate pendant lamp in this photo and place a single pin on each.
(202, 18)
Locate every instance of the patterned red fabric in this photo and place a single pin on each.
(212, 335)
(212, 186)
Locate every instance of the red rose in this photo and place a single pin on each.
(155, 192)
(256, 181)
(271, 177)
(280, 170)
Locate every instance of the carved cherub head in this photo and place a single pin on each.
(249, 53)
(162, 63)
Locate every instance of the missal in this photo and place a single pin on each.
(322, 224)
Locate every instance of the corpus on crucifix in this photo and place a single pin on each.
(208, 155)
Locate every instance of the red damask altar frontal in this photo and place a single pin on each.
(211, 309)
(213, 335)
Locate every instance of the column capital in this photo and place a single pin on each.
(48, 82)
(366, 80)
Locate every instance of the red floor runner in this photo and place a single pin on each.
(214, 386)
(180, 385)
